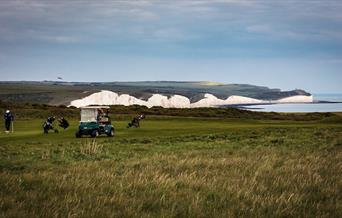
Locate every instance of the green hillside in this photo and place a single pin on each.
(61, 93)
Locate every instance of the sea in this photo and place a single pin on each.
(322, 103)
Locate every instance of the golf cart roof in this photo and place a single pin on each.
(95, 107)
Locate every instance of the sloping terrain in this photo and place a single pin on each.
(62, 93)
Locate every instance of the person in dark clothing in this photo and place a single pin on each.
(136, 121)
(63, 123)
(48, 124)
(8, 117)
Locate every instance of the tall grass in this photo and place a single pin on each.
(90, 147)
(259, 183)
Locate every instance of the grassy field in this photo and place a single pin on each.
(175, 167)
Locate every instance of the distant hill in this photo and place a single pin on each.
(62, 93)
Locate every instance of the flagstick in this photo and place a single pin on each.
(12, 126)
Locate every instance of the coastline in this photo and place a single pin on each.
(313, 107)
(106, 97)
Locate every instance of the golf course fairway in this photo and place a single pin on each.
(174, 167)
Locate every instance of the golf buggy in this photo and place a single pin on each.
(94, 122)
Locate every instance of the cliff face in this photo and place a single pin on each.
(57, 93)
(295, 99)
(178, 101)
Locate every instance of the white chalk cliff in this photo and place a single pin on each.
(295, 99)
(177, 101)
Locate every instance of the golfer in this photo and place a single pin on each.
(8, 117)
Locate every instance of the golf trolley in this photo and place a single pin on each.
(136, 121)
(48, 124)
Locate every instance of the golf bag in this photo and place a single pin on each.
(136, 121)
(48, 125)
(63, 123)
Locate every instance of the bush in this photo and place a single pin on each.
(25, 110)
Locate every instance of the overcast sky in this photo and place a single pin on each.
(281, 44)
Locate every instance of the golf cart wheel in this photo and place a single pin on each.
(78, 134)
(111, 133)
(95, 133)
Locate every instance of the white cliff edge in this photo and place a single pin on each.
(294, 99)
(177, 101)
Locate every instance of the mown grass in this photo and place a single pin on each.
(175, 167)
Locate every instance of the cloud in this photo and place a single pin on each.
(200, 22)
(61, 39)
(65, 21)
(260, 28)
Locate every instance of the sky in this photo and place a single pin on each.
(280, 44)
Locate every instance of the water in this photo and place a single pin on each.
(328, 97)
(311, 107)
